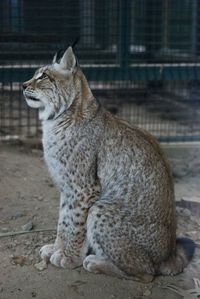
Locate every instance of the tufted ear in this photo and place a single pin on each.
(55, 58)
(68, 60)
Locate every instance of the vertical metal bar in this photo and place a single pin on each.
(21, 15)
(194, 28)
(124, 34)
(166, 13)
(14, 15)
(87, 23)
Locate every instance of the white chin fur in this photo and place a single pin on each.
(34, 104)
(45, 113)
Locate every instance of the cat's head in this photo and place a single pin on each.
(54, 87)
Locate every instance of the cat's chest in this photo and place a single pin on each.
(58, 150)
(64, 154)
(56, 154)
(56, 158)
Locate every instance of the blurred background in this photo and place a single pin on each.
(141, 57)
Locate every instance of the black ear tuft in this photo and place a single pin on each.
(77, 39)
(75, 42)
(60, 52)
(58, 55)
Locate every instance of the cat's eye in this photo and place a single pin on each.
(43, 76)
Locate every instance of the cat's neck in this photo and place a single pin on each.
(77, 115)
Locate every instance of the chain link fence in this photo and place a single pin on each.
(141, 58)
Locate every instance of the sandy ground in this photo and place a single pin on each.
(27, 196)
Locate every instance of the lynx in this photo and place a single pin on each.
(117, 208)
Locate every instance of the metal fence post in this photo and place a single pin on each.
(194, 28)
(124, 36)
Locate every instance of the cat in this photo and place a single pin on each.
(117, 207)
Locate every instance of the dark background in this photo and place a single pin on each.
(140, 56)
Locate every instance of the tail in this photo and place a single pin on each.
(185, 249)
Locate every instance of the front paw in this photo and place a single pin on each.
(60, 259)
(46, 252)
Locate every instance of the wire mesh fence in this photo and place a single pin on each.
(141, 58)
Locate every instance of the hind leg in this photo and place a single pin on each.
(116, 252)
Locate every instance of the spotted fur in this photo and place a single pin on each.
(116, 189)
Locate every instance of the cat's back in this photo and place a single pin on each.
(121, 139)
(131, 162)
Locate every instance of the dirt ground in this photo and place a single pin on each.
(29, 201)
